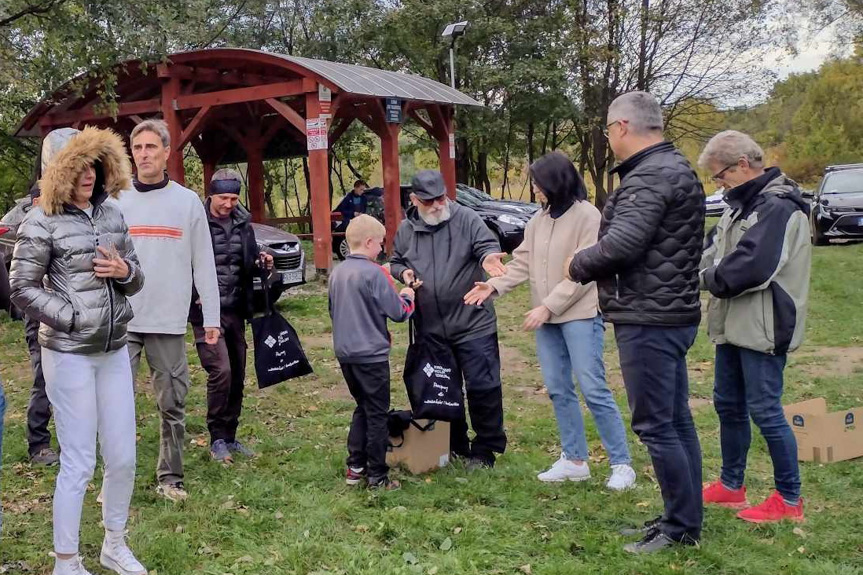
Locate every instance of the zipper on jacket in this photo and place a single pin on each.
(107, 287)
(616, 286)
(436, 301)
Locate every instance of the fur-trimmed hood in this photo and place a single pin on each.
(91, 146)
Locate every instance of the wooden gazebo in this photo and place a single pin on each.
(238, 105)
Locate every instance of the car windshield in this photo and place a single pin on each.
(467, 199)
(844, 182)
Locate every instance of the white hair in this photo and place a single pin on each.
(227, 174)
(640, 110)
(726, 148)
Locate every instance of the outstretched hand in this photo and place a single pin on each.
(493, 265)
(481, 291)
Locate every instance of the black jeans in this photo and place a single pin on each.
(653, 362)
(39, 408)
(749, 383)
(479, 362)
(225, 363)
(369, 384)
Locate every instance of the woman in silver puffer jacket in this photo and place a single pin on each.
(72, 269)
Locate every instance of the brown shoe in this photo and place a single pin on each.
(386, 484)
(45, 456)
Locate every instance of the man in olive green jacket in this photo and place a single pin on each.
(756, 268)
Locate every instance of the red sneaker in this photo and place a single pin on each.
(773, 510)
(718, 494)
(355, 475)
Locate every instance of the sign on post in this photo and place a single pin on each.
(394, 111)
(325, 97)
(316, 134)
(452, 146)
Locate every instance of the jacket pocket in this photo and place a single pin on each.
(749, 322)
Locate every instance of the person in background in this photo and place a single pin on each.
(362, 296)
(645, 264)
(38, 408)
(238, 262)
(168, 225)
(6, 302)
(73, 269)
(447, 248)
(354, 203)
(569, 329)
(756, 267)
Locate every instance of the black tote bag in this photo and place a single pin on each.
(279, 355)
(432, 379)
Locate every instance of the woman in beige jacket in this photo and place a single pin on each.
(565, 316)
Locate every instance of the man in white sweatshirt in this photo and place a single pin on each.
(169, 229)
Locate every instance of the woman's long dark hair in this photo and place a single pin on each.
(559, 181)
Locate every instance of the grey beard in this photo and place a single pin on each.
(445, 214)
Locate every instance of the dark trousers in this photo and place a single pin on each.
(749, 384)
(39, 408)
(225, 363)
(369, 384)
(479, 362)
(653, 362)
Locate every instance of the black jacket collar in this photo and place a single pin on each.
(634, 160)
(743, 194)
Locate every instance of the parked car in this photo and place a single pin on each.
(715, 203)
(516, 205)
(289, 260)
(374, 208)
(837, 208)
(506, 222)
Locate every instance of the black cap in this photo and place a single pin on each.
(428, 185)
(224, 187)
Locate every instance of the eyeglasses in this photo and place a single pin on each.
(428, 203)
(718, 175)
(607, 126)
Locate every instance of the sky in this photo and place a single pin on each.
(812, 51)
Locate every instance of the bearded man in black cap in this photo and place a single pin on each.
(238, 261)
(446, 249)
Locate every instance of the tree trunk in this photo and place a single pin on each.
(482, 179)
(505, 185)
(462, 160)
(554, 135)
(530, 159)
(545, 138)
(642, 48)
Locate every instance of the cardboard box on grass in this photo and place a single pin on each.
(825, 437)
(421, 451)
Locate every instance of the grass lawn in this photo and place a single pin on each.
(289, 512)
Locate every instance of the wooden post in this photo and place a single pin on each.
(442, 127)
(170, 92)
(209, 170)
(255, 164)
(392, 182)
(319, 175)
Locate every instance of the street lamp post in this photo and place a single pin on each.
(453, 31)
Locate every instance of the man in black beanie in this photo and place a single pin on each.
(39, 408)
(238, 261)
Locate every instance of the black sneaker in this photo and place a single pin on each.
(655, 540)
(648, 525)
(385, 484)
(45, 456)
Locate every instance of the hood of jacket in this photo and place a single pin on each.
(92, 146)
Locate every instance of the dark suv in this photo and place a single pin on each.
(837, 209)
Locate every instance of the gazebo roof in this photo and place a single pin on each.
(138, 80)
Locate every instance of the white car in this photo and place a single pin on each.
(716, 203)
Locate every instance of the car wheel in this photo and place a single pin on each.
(343, 250)
(817, 238)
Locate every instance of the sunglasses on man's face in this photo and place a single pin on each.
(429, 203)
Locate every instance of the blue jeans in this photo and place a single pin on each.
(749, 384)
(576, 346)
(2, 414)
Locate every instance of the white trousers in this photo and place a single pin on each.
(91, 394)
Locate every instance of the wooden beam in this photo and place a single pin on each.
(413, 113)
(214, 75)
(339, 130)
(292, 116)
(176, 169)
(90, 114)
(240, 95)
(319, 174)
(195, 126)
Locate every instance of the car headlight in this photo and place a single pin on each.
(511, 220)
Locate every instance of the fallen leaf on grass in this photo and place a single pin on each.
(799, 532)
(642, 504)
(446, 545)
(280, 515)
(525, 569)
(410, 558)
(457, 530)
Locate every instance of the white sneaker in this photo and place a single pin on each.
(70, 567)
(117, 556)
(622, 478)
(565, 470)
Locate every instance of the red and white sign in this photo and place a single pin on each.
(316, 134)
(325, 97)
(452, 146)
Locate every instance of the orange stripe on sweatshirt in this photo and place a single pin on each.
(156, 232)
